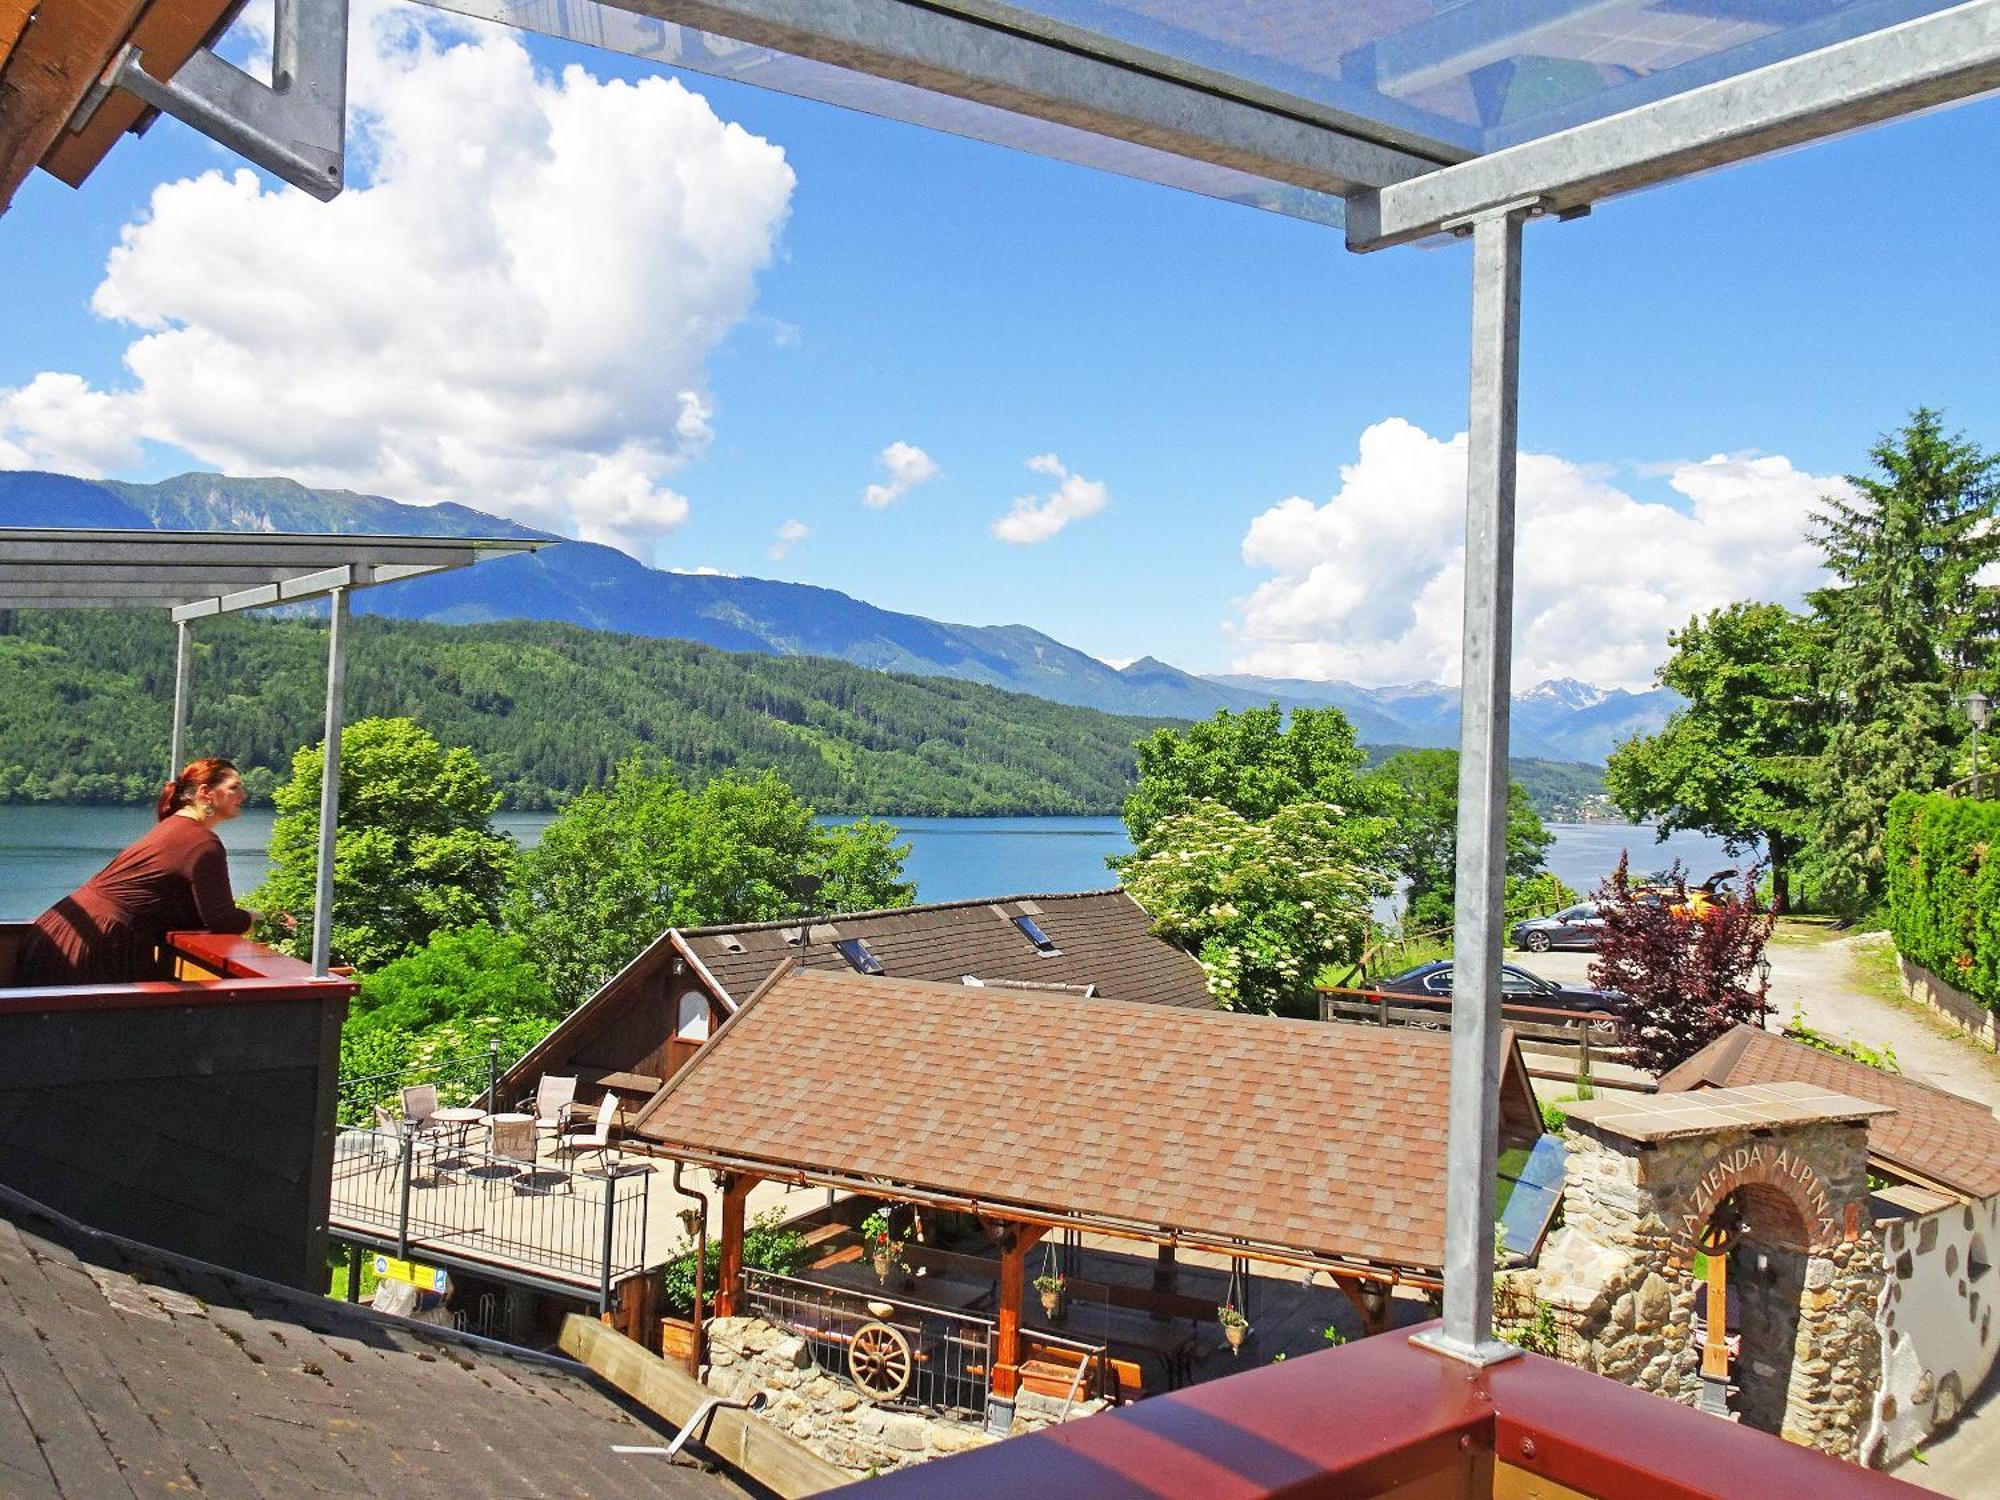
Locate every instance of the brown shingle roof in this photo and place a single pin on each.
(1934, 1135)
(132, 1371)
(1325, 1139)
(1105, 939)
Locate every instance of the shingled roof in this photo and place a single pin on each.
(1934, 1136)
(1103, 940)
(1321, 1139)
(125, 1370)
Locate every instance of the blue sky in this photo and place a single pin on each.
(1200, 361)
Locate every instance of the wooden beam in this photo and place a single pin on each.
(53, 65)
(168, 34)
(1020, 1239)
(729, 1275)
(1371, 1301)
(778, 1462)
(13, 21)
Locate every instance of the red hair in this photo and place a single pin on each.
(179, 792)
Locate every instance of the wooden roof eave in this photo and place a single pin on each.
(799, 1174)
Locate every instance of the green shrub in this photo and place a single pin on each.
(1944, 889)
(767, 1245)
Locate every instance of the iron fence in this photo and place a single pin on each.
(430, 1197)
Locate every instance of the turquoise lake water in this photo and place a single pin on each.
(46, 852)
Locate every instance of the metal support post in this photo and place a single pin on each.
(1472, 1139)
(329, 784)
(403, 1207)
(183, 663)
(604, 1265)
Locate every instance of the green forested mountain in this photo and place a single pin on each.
(85, 699)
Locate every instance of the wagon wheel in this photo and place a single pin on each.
(880, 1362)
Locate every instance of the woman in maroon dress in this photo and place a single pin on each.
(175, 879)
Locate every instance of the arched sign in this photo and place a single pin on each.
(1765, 1164)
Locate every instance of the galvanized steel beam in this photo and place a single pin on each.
(329, 784)
(1935, 59)
(1472, 1139)
(295, 126)
(1029, 65)
(183, 654)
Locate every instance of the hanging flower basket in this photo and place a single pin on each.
(885, 1251)
(1235, 1327)
(1051, 1290)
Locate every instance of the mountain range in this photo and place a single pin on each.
(583, 583)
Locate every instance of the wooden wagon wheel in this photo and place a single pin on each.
(879, 1359)
(1718, 1237)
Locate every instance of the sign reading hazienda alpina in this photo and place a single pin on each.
(1771, 1165)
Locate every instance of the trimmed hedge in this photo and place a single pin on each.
(1944, 889)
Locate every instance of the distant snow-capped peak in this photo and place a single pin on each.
(1566, 691)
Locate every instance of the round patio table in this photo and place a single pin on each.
(461, 1122)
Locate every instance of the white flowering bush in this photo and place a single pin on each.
(1263, 905)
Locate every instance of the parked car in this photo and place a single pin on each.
(1573, 927)
(1517, 987)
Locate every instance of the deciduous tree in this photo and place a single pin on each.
(622, 865)
(1425, 850)
(1739, 760)
(414, 849)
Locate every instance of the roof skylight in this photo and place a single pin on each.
(859, 959)
(1032, 931)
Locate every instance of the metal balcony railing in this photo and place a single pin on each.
(432, 1199)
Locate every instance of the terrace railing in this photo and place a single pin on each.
(937, 1358)
(582, 1231)
(462, 1080)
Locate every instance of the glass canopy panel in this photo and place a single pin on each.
(1474, 74)
(616, 28)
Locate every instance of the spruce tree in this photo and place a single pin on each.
(1908, 630)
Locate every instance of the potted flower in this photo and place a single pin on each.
(1235, 1327)
(885, 1251)
(1051, 1288)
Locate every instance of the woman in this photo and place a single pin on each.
(175, 879)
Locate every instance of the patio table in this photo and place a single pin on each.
(461, 1122)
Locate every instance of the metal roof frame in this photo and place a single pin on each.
(197, 575)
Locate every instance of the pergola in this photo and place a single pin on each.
(197, 575)
(1319, 1148)
(1404, 120)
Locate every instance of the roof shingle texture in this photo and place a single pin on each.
(1105, 939)
(1950, 1140)
(124, 1371)
(1323, 1138)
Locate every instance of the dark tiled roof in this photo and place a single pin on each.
(1324, 1138)
(1938, 1136)
(1104, 938)
(130, 1371)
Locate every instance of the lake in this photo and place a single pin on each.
(46, 852)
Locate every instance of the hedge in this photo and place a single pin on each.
(1944, 889)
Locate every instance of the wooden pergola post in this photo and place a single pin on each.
(729, 1275)
(1014, 1248)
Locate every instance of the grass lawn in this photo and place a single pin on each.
(1806, 931)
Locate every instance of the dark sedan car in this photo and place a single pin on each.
(1577, 926)
(1517, 987)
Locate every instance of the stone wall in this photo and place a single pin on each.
(829, 1416)
(1808, 1274)
(1950, 1003)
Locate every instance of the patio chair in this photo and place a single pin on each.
(597, 1139)
(420, 1102)
(510, 1151)
(390, 1134)
(551, 1098)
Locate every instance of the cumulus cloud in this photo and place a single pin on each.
(1368, 586)
(515, 310)
(1036, 518)
(790, 535)
(907, 467)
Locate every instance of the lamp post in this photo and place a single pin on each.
(1979, 709)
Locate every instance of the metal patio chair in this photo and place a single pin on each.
(596, 1140)
(551, 1098)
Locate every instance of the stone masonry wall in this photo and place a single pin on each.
(830, 1417)
(1618, 1276)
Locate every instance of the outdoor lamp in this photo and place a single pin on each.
(1979, 709)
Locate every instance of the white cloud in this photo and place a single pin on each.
(790, 535)
(907, 467)
(514, 311)
(1036, 518)
(1118, 663)
(1368, 587)
(706, 570)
